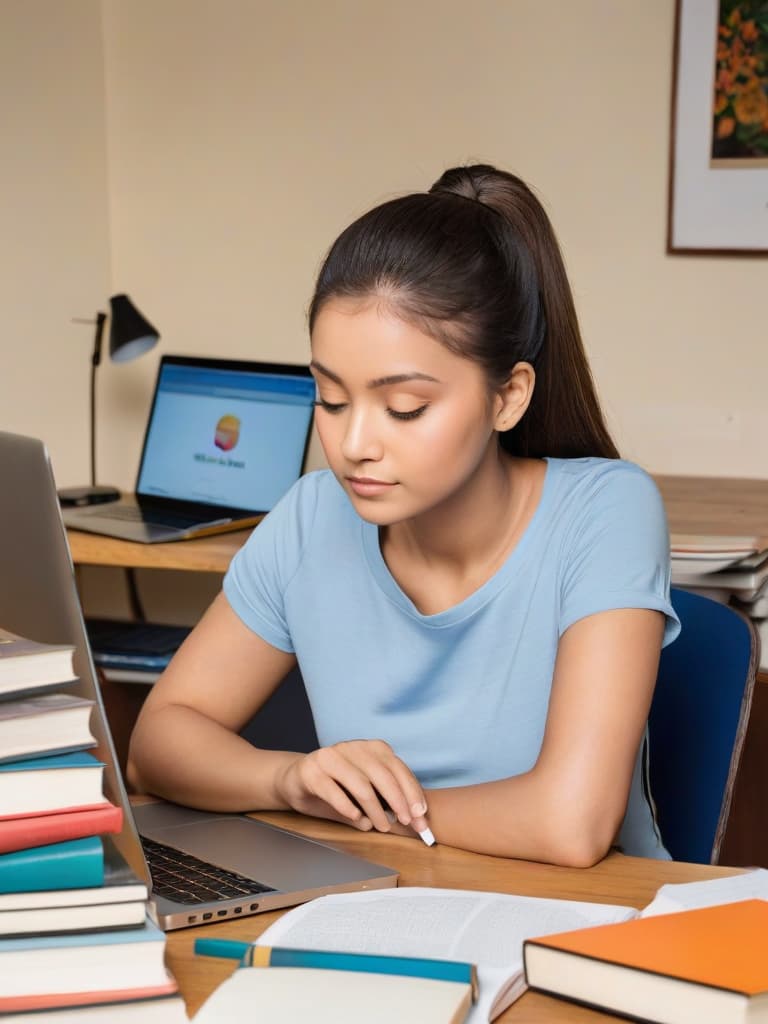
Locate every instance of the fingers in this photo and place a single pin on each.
(383, 783)
(360, 780)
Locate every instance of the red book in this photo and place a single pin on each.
(44, 829)
(50, 1000)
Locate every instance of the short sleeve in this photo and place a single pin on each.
(617, 552)
(260, 573)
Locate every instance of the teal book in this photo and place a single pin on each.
(76, 864)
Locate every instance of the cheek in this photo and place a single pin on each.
(455, 436)
(328, 432)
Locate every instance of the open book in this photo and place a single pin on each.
(483, 928)
(690, 895)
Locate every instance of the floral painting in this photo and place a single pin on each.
(718, 156)
(740, 102)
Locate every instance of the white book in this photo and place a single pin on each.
(52, 723)
(170, 1010)
(40, 785)
(83, 961)
(80, 918)
(486, 929)
(30, 665)
(290, 995)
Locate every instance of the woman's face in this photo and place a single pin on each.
(404, 423)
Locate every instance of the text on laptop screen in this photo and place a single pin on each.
(234, 438)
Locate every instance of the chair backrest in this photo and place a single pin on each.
(697, 724)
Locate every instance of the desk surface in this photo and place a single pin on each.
(206, 554)
(695, 505)
(716, 505)
(617, 879)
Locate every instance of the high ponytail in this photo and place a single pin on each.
(475, 264)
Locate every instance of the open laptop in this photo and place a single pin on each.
(224, 441)
(38, 599)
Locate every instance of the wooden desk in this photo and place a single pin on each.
(617, 879)
(206, 554)
(716, 505)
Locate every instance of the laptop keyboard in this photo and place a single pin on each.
(186, 879)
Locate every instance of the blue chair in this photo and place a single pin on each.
(697, 724)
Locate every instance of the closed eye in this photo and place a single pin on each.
(411, 414)
(331, 406)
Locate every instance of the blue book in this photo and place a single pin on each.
(254, 955)
(43, 785)
(75, 864)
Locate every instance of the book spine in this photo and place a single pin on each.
(414, 967)
(251, 955)
(44, 829)
(61, 1000)
(76, 864)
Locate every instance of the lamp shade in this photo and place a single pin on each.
(130, 335)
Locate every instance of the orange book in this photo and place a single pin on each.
(708, 964)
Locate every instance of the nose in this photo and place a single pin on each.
(360, 442)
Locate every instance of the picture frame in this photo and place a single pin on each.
(718, 174)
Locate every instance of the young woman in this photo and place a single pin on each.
(476, 592)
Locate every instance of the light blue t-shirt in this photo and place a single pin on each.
(461, 696)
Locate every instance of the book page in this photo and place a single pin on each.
(688, 895)
(486, 929)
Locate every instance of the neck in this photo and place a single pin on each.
(478, 526)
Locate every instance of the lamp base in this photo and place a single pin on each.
(69, 496)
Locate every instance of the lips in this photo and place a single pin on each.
(367, 487)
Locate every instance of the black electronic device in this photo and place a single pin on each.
(76, 497)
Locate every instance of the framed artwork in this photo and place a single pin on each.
(718, 187)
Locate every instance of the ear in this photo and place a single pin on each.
(513, 398)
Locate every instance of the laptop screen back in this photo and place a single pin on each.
(39, 599)
(226, 433)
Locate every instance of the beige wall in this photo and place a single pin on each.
(242, 135)
(54, 225)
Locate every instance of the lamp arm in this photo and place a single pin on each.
(95, 360)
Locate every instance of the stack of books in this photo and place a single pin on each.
(76, 939)
(733, 570)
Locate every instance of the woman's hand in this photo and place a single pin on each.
(356, 782)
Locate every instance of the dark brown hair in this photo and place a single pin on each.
(475, 264)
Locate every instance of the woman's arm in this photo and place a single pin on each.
(568, 808)
(185, 745)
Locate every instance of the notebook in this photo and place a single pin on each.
(224, 441)
(274, 867)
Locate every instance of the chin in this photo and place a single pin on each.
(377, 516)
(376, 512)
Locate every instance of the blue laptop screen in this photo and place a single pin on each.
(230, 437)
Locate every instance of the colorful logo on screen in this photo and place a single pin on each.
(227, 433)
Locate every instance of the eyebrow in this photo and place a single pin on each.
(378, 382)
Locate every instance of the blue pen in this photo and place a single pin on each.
(253, 955)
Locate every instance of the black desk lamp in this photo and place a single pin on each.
(130, 336)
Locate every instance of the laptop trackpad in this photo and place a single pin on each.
(256, 850)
